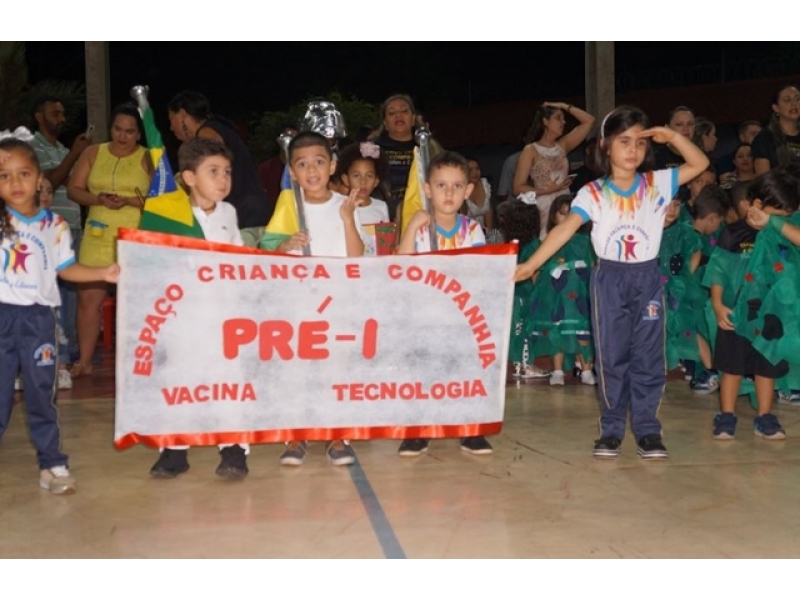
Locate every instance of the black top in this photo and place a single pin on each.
(253, 207)
(583, 176)
(738, 237)
(399, 156)
(666, 158)
(764, 147)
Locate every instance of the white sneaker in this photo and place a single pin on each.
(18, 384)
(557, 378)
(533, 372)
(57, 480)
(64, 379)
(588, 378)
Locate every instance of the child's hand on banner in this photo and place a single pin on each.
(296, 242)
(419, 220)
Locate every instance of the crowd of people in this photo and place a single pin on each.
(655, 254)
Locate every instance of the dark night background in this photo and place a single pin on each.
(457, 83)
(246, 77)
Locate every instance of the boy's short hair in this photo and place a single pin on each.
(745, 124)
(739, 193)
(447, 159)
(712, 200)
(308, 139)
(195, 151)
(778, 188)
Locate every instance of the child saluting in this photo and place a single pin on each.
(627, 209)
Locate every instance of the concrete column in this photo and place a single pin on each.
(98, 89)
(600, 79)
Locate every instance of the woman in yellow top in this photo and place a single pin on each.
(111, 179)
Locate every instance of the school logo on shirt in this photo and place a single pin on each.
(45, 355)
(652, 310)
(626, 247)
(13, 259)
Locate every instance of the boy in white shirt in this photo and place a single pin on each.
(333, 229)
(205, 166)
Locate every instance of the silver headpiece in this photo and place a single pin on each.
(323, 118)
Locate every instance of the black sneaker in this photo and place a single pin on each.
(294, 454)
(340, 453)
(413, 447)
(170, 464)
(476, 445)
(651, 447)
(725, 426)
(607, 447)
(233, 464)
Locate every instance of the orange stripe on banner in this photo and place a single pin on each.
(178, 241)
(274, 436)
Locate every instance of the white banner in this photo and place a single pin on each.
(217, 344)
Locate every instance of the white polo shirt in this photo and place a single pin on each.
(220, 225)
(627, 224)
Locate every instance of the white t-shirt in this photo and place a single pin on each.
(326, 229)
(376, 212)
(220, 225)
(31, 258)
(627, 224)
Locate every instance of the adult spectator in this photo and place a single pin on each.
(588, 171)
(57, 163)
(270, 172)
(190, 117)
(478, 204)
(680, 119)
(112, 179)
(506, 182)
(396, 140)
(705, 135)
(544, 161)
(778, 144)
(747, 131)
(743, 168)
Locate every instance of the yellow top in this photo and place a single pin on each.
(122, 176)
(119, 175)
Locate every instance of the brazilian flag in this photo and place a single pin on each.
(167, 209)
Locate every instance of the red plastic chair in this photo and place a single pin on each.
(109, 309)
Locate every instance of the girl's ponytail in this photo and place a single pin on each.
(5, 222)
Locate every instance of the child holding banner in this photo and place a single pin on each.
(447, 185)
(205, 166)
(334, 229)
(362, 167)
(627, 208)
(35, 249)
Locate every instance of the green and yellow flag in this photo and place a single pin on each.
(167, 209)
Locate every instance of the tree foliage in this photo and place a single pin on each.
(17, 95)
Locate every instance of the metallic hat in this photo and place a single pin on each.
(323, 118)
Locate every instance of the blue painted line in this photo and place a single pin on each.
(380, 523)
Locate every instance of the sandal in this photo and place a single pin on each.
(80, 369)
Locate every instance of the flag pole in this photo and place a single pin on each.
(284, 140)
(423, 138)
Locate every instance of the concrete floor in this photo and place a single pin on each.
(541, 494)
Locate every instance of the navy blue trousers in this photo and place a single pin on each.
(629, 332)
(28, 343)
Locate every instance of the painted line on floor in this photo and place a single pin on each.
(380, 523)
